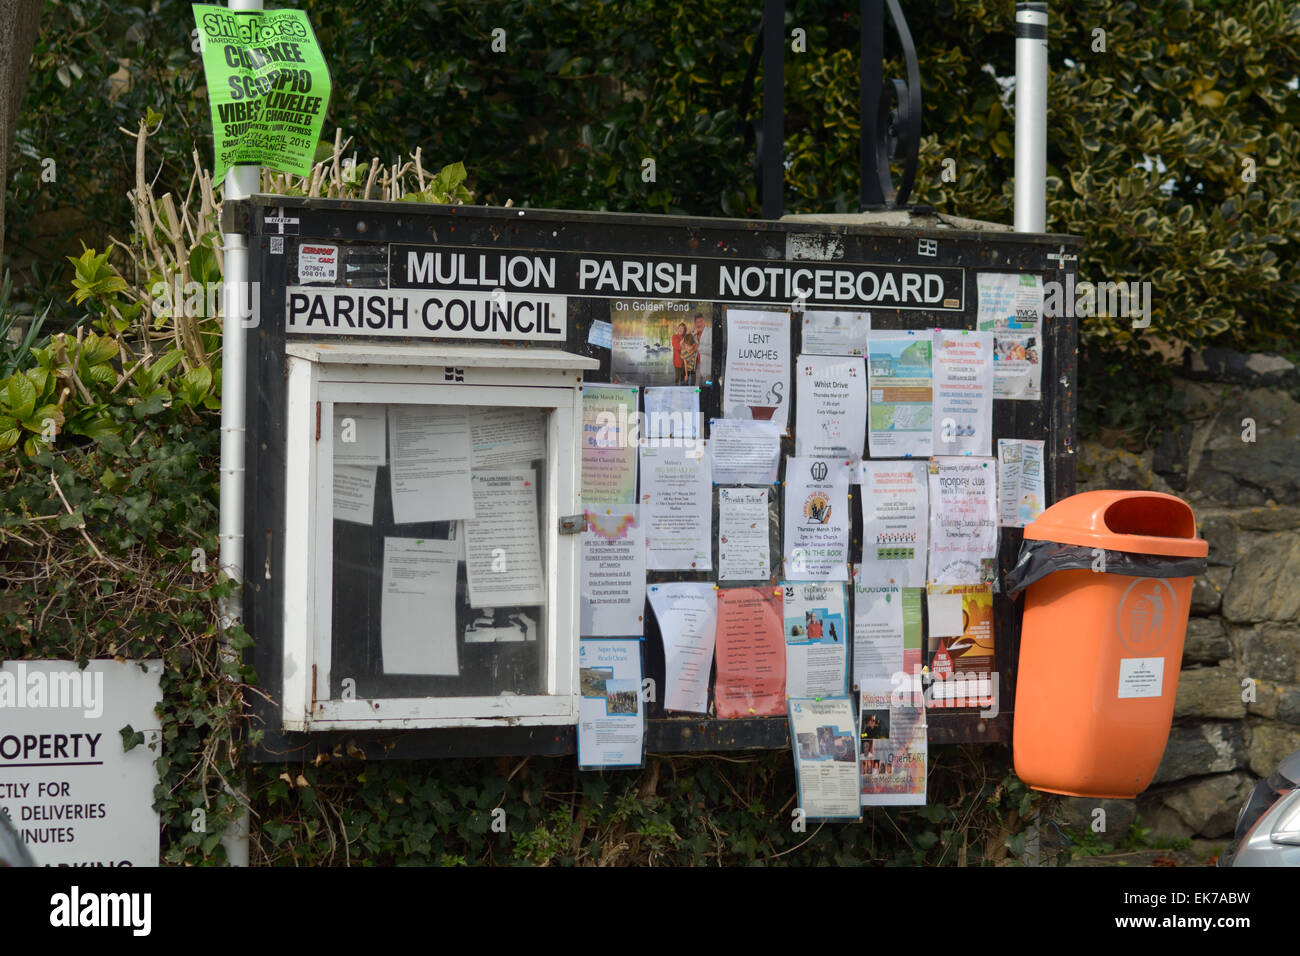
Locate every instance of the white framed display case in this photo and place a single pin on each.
(431, 572)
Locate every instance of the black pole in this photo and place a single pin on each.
(772, 168)
(871, 24)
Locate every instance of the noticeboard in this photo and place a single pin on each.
(341, 274)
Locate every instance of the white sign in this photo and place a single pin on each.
(426, 314)
(317, 263)
(835, 333)
(73, 794)
(1141, 677)
(831, 414)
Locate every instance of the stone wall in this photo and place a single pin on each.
(1235, 458)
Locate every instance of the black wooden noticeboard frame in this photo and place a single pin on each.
(274, 225)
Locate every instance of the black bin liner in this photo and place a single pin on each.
(1038, 559)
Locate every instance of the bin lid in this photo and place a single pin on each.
(1137, 522)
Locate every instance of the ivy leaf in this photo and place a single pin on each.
(131, 738)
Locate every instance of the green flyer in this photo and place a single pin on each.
(268, 85)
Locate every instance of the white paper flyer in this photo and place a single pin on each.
(677, 508)
(743, 551)
(613, 574)
(1021, 483)
(744, 452)
(831, 407)
(877, 632)
(835, 333)
(963, 520)
(757, 378)
(963, 393)
(1011, 307)
(687, 612)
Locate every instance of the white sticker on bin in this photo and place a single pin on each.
(1141, 676)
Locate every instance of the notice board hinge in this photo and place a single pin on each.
(318, 421)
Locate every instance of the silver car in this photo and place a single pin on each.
(1268, 826)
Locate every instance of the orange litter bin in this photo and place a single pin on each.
(1107, 577)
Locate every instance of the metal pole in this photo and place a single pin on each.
(241, 182)
(871, 32)
(772, 168)
(1031, 117)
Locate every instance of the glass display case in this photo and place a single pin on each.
(431, 581)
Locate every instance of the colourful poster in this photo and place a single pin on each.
(894, 745)
(661, 341)
(611, 717)
(750, 678)
(961, 645)
(901, 393)
(268, 88)
(610, 436)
